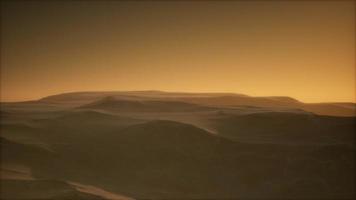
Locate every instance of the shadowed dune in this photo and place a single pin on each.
(151, 145)
(245, 100)
(86, 97)
(89, 118)
(208, 99)
(286, 127)
(334, 109)
(42, 189)
(14, 152)
(54, 126)
(23, 169)
(165, 159)
(112, 104)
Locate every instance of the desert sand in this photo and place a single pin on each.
(162, 145)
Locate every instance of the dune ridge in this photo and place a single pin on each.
(160, 145)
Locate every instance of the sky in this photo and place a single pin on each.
(305, 49)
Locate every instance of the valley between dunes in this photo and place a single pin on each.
(170, 145)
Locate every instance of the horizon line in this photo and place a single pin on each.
(167, 91)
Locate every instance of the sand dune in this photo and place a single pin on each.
(81, 97)
(333, 109)
(112, 104)
(286, 127)
(157, 145)
(161, 159)
(42, 189)
(210, 99)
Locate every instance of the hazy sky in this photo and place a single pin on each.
(305, 50)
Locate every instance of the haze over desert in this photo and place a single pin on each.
(179, 100)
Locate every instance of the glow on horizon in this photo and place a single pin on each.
(304, 50)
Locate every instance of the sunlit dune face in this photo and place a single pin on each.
(300, 49)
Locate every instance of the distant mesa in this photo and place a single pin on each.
(169, 101)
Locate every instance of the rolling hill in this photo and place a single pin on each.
(158, 145)
(207, 99)
(112, 104)
(286, 127)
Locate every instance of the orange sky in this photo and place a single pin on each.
(300, 49)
